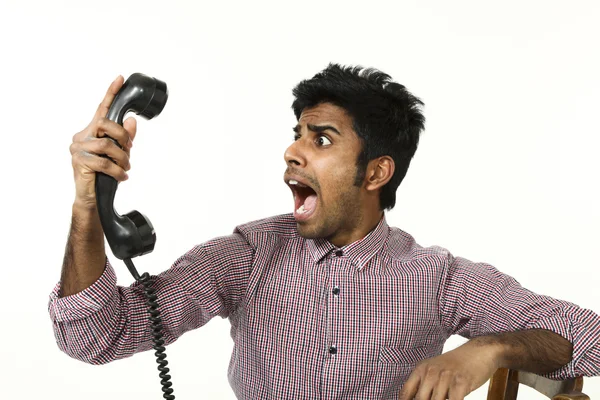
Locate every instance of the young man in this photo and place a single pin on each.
(328, 302)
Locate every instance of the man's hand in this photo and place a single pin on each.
(85, 258)
(91, 143)
(455, 374)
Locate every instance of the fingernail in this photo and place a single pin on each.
(130, 143)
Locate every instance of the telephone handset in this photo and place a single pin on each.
(132, 234)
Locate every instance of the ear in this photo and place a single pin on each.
(379, 172)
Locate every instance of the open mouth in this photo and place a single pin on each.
(305, 199)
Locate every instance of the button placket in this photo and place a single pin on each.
(336, 268)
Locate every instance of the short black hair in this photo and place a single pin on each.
(386, 117)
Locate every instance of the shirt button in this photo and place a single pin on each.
(335, 290)
(332, 350)
(339, 253)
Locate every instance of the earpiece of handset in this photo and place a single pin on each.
(132, 234)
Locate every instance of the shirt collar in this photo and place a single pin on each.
(359, 252)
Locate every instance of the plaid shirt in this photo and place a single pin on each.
(312, 321)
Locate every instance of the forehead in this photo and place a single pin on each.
(326, 113)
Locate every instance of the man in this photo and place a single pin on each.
(328, 302)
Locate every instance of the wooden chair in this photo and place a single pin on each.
(504, 385)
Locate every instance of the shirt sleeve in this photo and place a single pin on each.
(476, 299)
(106, 322)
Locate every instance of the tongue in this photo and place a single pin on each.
(310, 202)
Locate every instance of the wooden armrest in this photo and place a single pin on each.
(571, 396)
(505, 385)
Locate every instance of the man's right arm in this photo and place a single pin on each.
(105, 322)
(97, 321)
(92, 152)
(84, 258)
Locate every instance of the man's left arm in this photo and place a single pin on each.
(509, 327)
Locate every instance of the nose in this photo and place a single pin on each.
(294, 155)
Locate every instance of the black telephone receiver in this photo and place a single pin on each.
(132, 234)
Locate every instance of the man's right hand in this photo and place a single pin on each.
(91, 143)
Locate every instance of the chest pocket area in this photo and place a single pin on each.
(394, 367)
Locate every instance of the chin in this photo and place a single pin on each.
(307, 232)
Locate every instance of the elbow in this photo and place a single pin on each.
(84, 353)
(90, 348)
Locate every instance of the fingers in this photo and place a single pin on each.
(112, 91)
(459, 389)
(430, 383)
(104, 127)
(440, 391)
(409, 390)
(102, 147)
(130, 126)
(87, 162)
(427, 384)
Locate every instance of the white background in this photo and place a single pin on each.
(506, 172)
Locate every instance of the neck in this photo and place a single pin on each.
(365, 225)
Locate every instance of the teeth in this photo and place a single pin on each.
(301, 210)
(296, 183)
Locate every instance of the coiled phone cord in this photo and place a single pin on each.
(157, 335)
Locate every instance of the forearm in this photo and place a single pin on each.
(84, 258)
(535, 350)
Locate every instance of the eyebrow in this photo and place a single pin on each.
(317, 128)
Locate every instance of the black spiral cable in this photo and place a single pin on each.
(157, 335)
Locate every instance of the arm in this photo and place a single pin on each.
(84, 258)
(510, 327)
(478, 300)
(97, 321)
(105, 322)
(459, 372)
(535, 350)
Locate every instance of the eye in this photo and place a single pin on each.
(323, 140)
(296, 136)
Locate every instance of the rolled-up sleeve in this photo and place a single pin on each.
(476, 299)
(106, 322)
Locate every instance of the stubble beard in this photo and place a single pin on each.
(344, 215)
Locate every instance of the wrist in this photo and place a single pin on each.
(85, 222)
(497, 350)
(83, 207)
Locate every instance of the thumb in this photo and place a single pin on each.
(130, 125)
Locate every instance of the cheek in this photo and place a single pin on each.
(335, 179)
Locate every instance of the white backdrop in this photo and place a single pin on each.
(507, 169)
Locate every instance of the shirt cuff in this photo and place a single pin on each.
(579, 327)
(85, 303)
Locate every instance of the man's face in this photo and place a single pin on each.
(321, 171)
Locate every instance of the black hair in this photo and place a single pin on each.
(386, 117)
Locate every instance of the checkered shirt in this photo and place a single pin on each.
(312, 321)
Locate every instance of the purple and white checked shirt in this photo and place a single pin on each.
(312, 321)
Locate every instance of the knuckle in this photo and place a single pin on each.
(432, 370)
(76, 157)
(101, 122)
(104, 163)
(460, 380)
(104, 144)
(446, 373)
